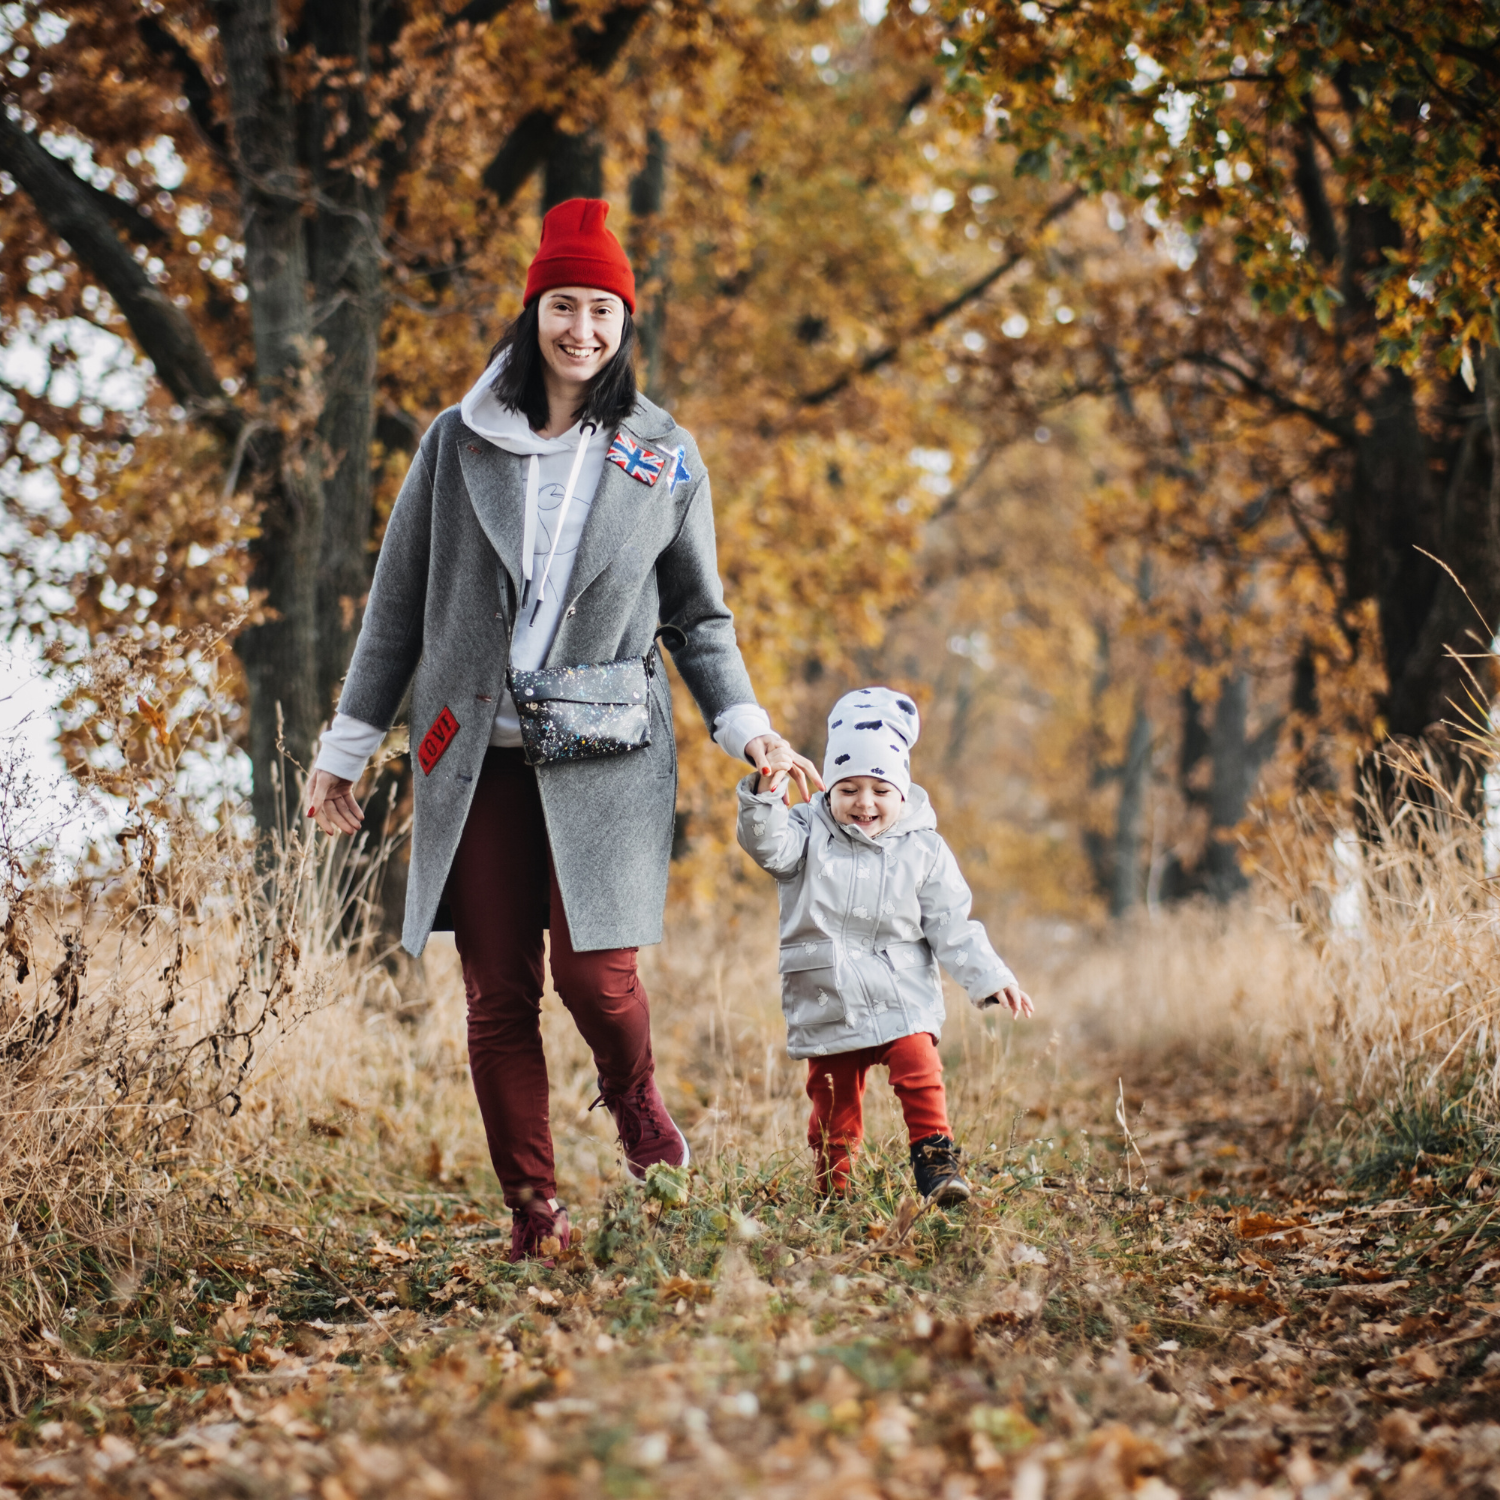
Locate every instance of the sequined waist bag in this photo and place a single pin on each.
(583, 713)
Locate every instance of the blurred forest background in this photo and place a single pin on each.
(1120, 381)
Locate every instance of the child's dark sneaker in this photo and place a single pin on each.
(647, 1132)
(539, 1229)
(935, 1161)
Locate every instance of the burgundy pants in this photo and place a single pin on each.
(503, 894)
(836, 1086)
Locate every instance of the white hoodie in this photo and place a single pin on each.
(561, 481)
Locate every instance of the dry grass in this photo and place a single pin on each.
(227, 1133)
(144, 991)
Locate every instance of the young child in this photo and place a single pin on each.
(871, 902)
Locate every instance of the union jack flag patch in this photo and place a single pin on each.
(637, 461)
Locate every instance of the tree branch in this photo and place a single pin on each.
(71, 211)
(1338, 427)
(525, 149)
(195, 87)
(930, 319)
(1322, 227)
(127, 215)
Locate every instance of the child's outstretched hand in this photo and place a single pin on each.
(781, 760)
(1014, 999)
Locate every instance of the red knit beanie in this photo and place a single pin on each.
(577, 250)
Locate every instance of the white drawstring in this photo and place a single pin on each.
(529, 534)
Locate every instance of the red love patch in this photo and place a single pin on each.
(436, 741)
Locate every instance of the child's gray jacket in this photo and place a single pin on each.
(865, 922)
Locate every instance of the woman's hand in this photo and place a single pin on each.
(775, 759)
(1014, 999)
(331, 804)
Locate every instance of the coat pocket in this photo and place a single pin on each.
(915, 981)
(810, 993)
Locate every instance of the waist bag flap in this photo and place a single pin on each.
(612, 682)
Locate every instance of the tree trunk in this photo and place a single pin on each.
(1235, 757)
(650, 250)
(1125, 883)
(1419, 489)
(280, 654)
(348, 307)
(1233, 775)
(574, 168)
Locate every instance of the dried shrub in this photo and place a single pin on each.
(145, 978)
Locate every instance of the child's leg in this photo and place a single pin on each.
(836, 1086)
(917, 1078)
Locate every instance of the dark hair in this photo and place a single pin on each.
(518, 383)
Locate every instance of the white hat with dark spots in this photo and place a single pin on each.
(870, 733)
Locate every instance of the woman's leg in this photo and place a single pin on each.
(605, 996)
(917, 1078)
(836, 1086)
(498, 894)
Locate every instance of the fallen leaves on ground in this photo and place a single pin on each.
(1061, 1337)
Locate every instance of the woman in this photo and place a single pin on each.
(554, 518)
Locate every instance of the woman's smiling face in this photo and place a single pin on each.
(579, 329)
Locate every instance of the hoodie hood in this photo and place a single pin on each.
(917, 816)
(508, 429)
(483, 414)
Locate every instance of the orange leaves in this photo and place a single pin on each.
(685, 1288)
(1254, 1298)
(1263, 1226)
(155, 718)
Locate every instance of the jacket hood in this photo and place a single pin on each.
(916, 817)
(505, 428)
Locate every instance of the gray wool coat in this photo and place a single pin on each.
(439, 619)
(865, 922)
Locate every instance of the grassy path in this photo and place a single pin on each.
(1239, 1322)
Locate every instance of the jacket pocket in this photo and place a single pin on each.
(901, 956)
(810, 993)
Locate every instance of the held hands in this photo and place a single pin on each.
(776, 761)
(331, 804)
(1014, 999)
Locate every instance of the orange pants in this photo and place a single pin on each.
(836, 1086)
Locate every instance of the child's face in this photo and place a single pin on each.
(866, 803)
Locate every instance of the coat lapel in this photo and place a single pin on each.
(496, 485)
(497, 492)
(620, 504)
